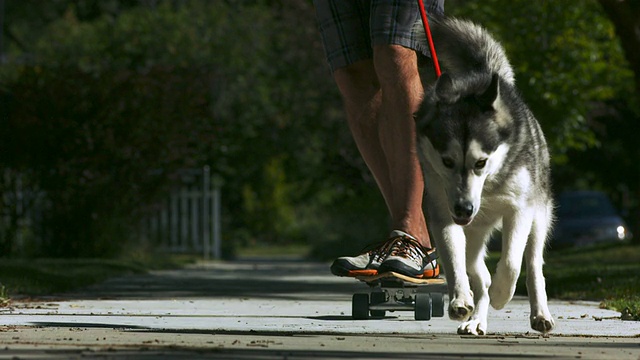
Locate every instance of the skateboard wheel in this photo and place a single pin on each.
(360, 306)
(422, 307)
(437, 303)
(378, 298)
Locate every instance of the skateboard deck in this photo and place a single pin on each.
(399, 277)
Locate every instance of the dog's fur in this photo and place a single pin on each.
(486, 166)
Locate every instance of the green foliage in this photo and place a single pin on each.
(348, 228)
(52, 276)
(4, 296)
(567, 60)
(114, 104)
(94, 138)
(604, 273)
(268, 208)
(105, 104)
(37, 277)
(113, 97)
(628, 305)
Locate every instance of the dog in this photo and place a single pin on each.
(486, 167)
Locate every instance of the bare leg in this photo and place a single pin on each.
(360, 90)
(402, 92)
(380, 99)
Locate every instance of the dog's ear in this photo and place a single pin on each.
(489, 96)
(445, 91)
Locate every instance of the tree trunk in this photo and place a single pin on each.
(625, 16)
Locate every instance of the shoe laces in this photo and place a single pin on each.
(379, 250)
(408, 248)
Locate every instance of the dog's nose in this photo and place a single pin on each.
(463, 209)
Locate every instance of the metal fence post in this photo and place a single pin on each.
(184, 219)
(194, 218)
(206, 196)
(173, 213)
(217, 241)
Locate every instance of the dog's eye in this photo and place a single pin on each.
(480, 163)
(447, 162)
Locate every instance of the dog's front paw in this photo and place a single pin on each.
(542, 323)
(473, 327)
(501, 290)
(460, 309)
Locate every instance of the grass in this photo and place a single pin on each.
(38, 277)
(4, 296)
(608, 273)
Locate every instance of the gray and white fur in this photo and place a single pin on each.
(486, 167)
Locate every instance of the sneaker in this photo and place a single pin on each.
(408, 257)
(365, 264)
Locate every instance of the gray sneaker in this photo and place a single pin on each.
(408, 257)
(365, 264)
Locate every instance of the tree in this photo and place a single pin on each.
(111, 98)
(103, 105)
(625, 16)
(109, 94)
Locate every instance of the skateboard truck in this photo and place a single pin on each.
(395, 292)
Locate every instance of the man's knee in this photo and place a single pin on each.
(393, 62)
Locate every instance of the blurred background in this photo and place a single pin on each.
(214, 127)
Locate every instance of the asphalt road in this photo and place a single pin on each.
(283, 310)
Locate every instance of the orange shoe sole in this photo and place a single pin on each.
(431, 273)
(365, 272)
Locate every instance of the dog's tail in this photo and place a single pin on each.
(464, 47)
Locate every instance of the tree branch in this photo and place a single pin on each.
(625, 16)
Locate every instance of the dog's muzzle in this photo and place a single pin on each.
(463, 213)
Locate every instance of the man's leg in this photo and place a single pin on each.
(382, 125)
(362, 98)
(397, 71)
(383, 128)
(381, 90)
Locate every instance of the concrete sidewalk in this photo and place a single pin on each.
(267, 309)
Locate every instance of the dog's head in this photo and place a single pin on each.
(462, 129)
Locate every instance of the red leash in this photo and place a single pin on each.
(427, 30)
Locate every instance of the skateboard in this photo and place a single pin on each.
(391, 291)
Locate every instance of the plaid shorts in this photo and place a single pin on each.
(350, 28)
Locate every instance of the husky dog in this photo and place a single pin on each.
(486, 167)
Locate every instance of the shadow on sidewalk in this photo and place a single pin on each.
(255, 278)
